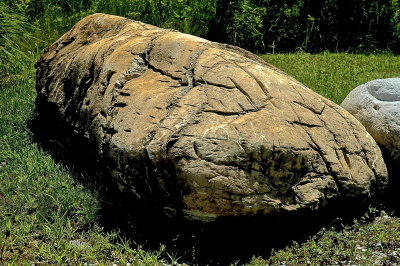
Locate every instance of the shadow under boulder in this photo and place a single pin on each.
(391, 197)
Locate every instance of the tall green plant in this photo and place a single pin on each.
(239, 22)
(188, 16)
(395, 23)
(13, 31)
(246, 27)
(309, 25)
(284, 24)
(35, 8)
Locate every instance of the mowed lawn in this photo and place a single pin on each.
(47, 218)
(335, 75)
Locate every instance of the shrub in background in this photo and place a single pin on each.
(352, 25)
(309, 25)
(54, 17)
(395, 22)
(239, 23)
(257, 25)
(188, 16)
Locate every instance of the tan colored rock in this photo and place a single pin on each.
(200, 128)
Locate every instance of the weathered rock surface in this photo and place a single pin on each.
(202, 129)
(376, 105)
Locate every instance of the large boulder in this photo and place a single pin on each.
(202, 129)
(376, 104)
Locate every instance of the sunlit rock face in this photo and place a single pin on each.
(201, 129)
(376, 105)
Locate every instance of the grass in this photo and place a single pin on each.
(335, 75)
(47, 218)
(372, 243)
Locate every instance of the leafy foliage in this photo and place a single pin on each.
(258, 25)
(311, 25)
(189, 16)
(245, 27)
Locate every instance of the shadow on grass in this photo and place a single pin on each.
(391, 200)
(221, 242)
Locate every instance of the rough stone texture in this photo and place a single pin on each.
(202, 129)
(376, 105)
